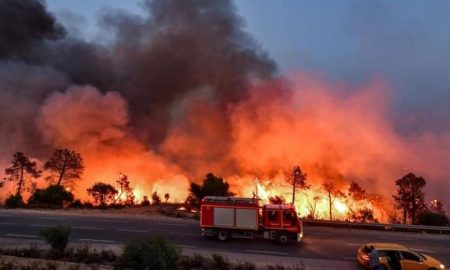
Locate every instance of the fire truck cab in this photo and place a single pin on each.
(233, 217)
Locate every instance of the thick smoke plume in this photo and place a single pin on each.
(183, 91)
(25, 25)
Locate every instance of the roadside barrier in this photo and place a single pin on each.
(378, 226)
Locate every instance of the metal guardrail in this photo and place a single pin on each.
(378, 226)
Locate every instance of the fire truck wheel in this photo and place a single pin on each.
(282, 238)
(222, 235)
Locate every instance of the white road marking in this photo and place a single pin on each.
(423, 250)
(21, 235)
(39, 225)
(265, 252)
(187, 246)
(51, 218)
(87, 228)
(111, 221)
(97, 240)
(321, 233)
(175, 233)
(136, 231)
(173, 224)
(396, 238)
(7, 223)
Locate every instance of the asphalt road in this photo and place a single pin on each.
(321, 243)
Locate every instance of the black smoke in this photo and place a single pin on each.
(24, 26)
(178, 49)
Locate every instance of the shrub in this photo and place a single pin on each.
(76, 204)
(192, 202)
(282, 267)
(14, 201)
(196, 261)
(57, 237)
(156, 200)
(244, 266)
(220, 262)
(31, 251)
(151, 253)
(84, 254)
(54, 196)
(433, 219)
(145, 201)
(88, 205)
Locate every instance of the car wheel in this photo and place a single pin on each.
(223, 235)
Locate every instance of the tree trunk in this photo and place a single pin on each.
(63, 170)
(329, 207)
(413, 210)
(118, 196)
(404, 215)
(19, 185)
(293, 192)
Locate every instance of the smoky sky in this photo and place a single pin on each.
(177, 49)
(406, 42)
(24, 26)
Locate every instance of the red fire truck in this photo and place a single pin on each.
(227, 217)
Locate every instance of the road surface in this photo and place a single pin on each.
(321, 245)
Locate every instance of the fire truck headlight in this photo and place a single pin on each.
(299, 236)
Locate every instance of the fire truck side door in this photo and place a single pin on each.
(289, 219)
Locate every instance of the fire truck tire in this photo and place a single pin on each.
(282, 238)
(223, 235)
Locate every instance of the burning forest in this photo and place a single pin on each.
(183, 91)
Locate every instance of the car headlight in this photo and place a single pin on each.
(442, 266)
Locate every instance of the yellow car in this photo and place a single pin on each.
(398, 257)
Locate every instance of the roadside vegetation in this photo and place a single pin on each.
(151, 252)
(65, 168)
